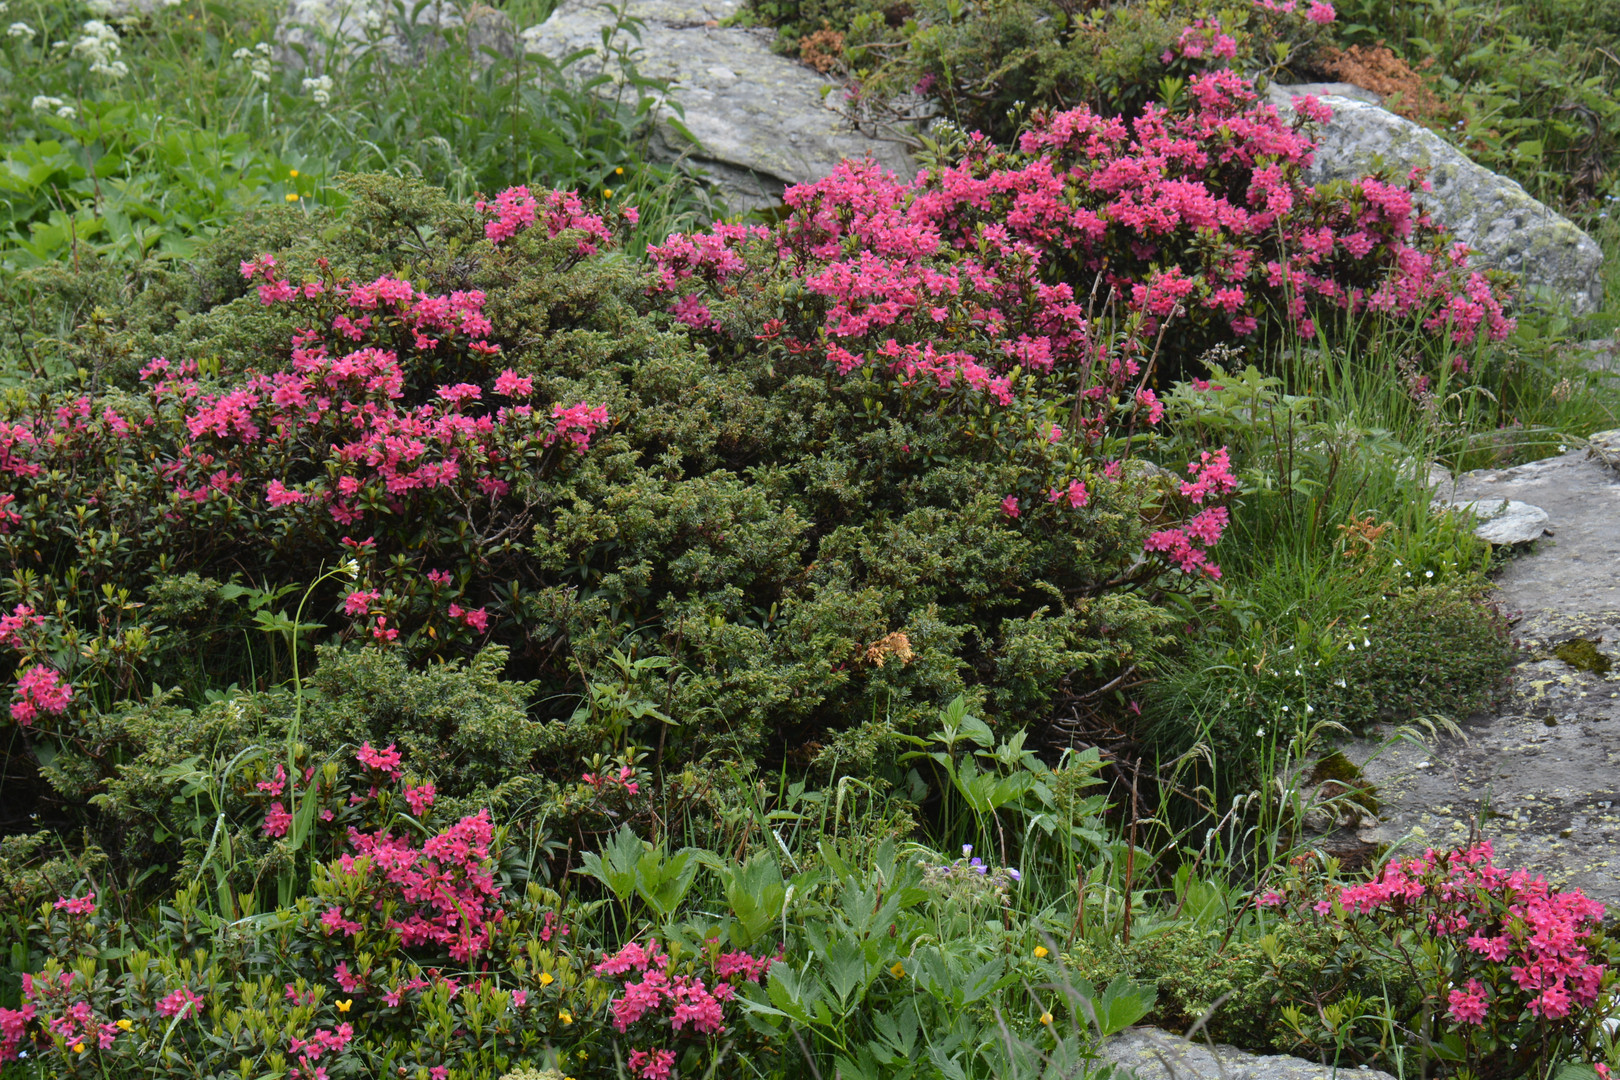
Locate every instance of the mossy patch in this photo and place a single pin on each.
(1583, 655)
(1345, 777)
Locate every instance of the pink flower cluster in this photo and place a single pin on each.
(40, 689)
(1517, 965)
(515, 209)
(1536, 934)
(1186, 545)
(13, 1029)
(386, 761)
(83, 906)
(443, 893)
(654, 994)
(608, 780)
(55, 1002)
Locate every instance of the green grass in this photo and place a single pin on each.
(210, 121)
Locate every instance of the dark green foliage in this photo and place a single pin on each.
(1243, 987)
(711, 577)
(1442, 651)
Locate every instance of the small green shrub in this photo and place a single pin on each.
(1240, 986)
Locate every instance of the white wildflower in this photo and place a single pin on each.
(101, 46)
(46, 103)
(258, 61)
(319, 89)
(20, 30)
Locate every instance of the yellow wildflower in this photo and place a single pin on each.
(292, 196)
(546, 979)
(619, 171)
(607, 193)
(293, 173)
(78, 1048)
(343, 1006)
(124, 1025)
(898, 970)
(566, 1017)
(1046, 1018)
(1040, 952)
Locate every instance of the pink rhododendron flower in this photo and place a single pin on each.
(79, 905)
(510, 384)
(278, 494)
(180, 1002)
(1468, 1006)
(1009, 506)
(40, 689)
(276, 820)
(420, 798)
(384, 761)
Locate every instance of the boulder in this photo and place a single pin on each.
(1505, 522)
(761, 121)
(1491, 214)
(1160, 1055)
(1605, 446)
(334, 31)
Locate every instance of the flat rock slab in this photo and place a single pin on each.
(1540, 778)
(1505, 522)
(1496, 217)
(1604, 446)
(762, 121)
(1160, 1055)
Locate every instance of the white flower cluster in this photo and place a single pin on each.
(258, 61)
(43, 103)
(20, 30)
(101, 46)
(319, 89)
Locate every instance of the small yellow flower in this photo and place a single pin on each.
(78, 1048)
(1046, 1018)
(898, 970)
(546, 979)
(343, 1006)
(292, 196)
(293, 173)
(124, 1025)
(1040, 952)
(566, 1017)
(607, 193)
(619, 171)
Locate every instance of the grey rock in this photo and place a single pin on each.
(1496, 217)
(1324, 89)
(1605, 447)
(1505, 521)
(333, 32)
(1148, 1051)
(761, 121)
(1544, 762)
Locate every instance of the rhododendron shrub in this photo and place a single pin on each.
(1197, 218)
(464, 439)
(405, 953)
(679, 1017)
(1516, 974)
